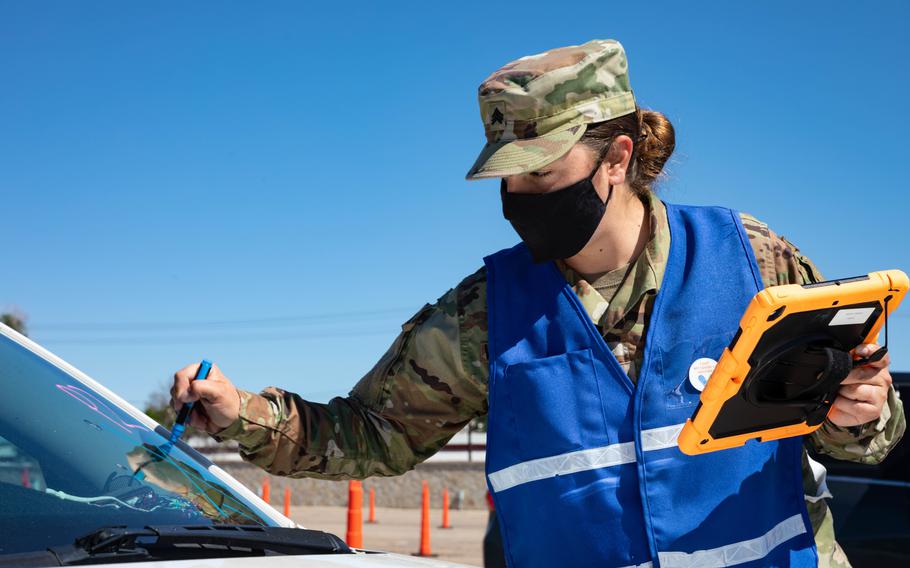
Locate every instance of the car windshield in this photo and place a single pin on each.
(72, 461)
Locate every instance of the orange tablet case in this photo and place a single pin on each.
(779, 375)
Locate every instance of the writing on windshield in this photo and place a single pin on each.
(72, 461)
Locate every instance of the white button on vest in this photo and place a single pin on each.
(699, 371)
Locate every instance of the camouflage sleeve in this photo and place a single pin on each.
(422, 391)
(781, 262)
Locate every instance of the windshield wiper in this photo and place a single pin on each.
(167, 542)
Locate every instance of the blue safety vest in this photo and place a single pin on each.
(583, 465)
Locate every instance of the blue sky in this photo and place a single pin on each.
(277, 187)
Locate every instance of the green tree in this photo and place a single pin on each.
(158, 405)
(14, 320)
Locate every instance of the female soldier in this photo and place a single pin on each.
(548, 339)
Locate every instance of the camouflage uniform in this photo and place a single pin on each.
(433, 379)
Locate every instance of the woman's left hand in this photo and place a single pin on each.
(864, 392)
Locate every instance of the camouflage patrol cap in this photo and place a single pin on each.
(536, 108)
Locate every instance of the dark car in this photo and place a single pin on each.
(871, 506)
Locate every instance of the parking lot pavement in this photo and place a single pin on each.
(398, 530)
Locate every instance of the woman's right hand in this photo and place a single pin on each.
(217, 396)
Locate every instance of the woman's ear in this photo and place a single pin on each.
(617, 162)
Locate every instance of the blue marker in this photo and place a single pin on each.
(179, 425)
(184, 415)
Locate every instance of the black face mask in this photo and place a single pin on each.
(559, 223)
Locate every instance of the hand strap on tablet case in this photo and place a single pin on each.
(806, 372)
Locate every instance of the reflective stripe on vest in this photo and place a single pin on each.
(583, 460)
(733, 554)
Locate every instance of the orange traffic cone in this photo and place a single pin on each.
(372, 518)
(445, 509)
(287, 502)
(266, 491)
(355, 514)
(425, 523)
